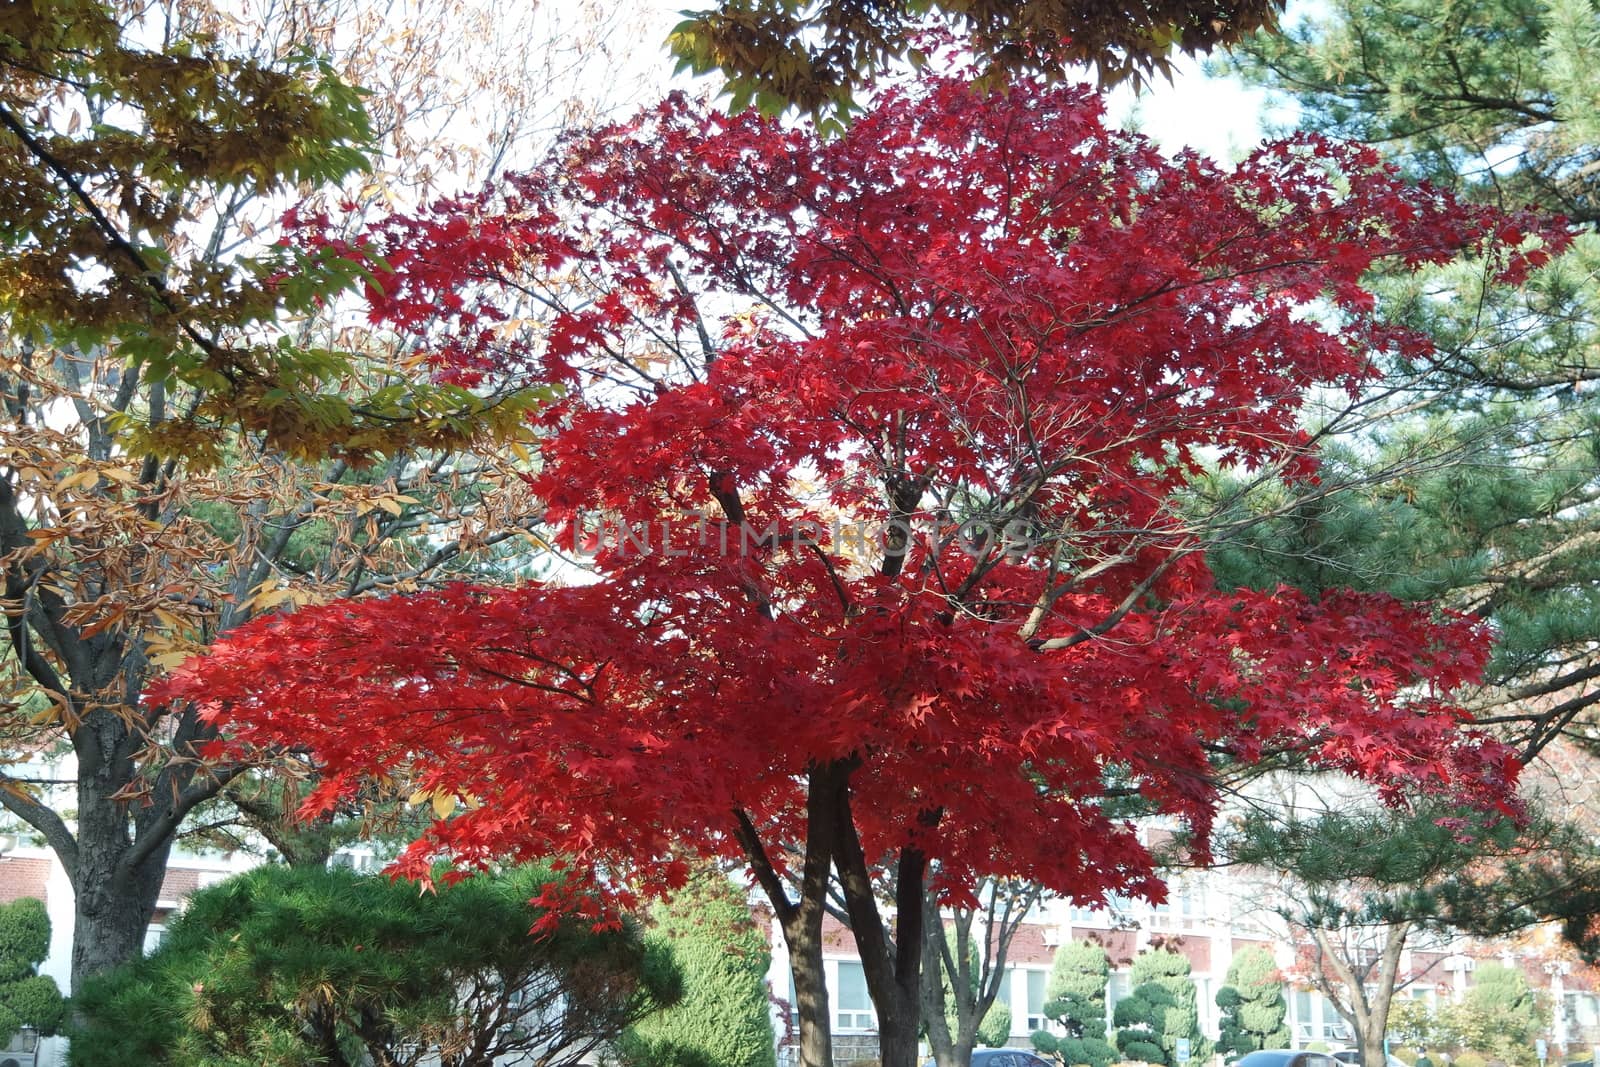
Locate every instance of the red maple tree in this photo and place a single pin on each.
(886, 437)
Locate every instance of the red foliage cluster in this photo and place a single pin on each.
(989, 331)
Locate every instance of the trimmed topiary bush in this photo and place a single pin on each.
(1253, 1008)
(27, 998)
(1162, 1009)
(1075, 998)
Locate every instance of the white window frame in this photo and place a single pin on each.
(851, 1019)
(1034, 1021)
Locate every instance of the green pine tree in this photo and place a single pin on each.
(1253, 1008)
(1162, 1010)
(1497, 100)
(1075, 999)
(723, 1019)
(287, 967)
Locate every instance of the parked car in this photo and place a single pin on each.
(1003, 1057)
(1353, 1056)
(1286, 1057)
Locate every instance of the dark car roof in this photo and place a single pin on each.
(985, 1057)
(1286, 1057)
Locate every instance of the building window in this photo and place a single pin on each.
(1036, 1019)
(1191, 904)
(1582, 1009)
(154, 934)
(1182, 909)
(1303, 1032)
(852, 1005)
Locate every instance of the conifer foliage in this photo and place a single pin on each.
(723, 1020)
(27, 998)
(1161, 1011)
(291, 965)
(1252, 1004)
(876, 456)
(1075, 1000)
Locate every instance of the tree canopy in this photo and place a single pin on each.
(815, 54)
(301, 965)
(107, 145)
(1497, 102)
(122, 544)
(968, 375)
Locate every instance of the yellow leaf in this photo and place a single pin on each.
(167, 619)
(86, 478)
(272, 598)
(443, 805)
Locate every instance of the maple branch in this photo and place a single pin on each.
(761, 865)
(833, 576)
(866, 923)
(554, 690)
(1117, 614)
(440, 556)
(699, 321)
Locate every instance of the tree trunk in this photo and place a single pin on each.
(1360, 995)
(810, 992)
(935, 1012)
(1373, 1054)
(973, 993)
(897, 1036)
(801, 920)
(109, 928)
(892, 965)
(114, 897)
(118, 857)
